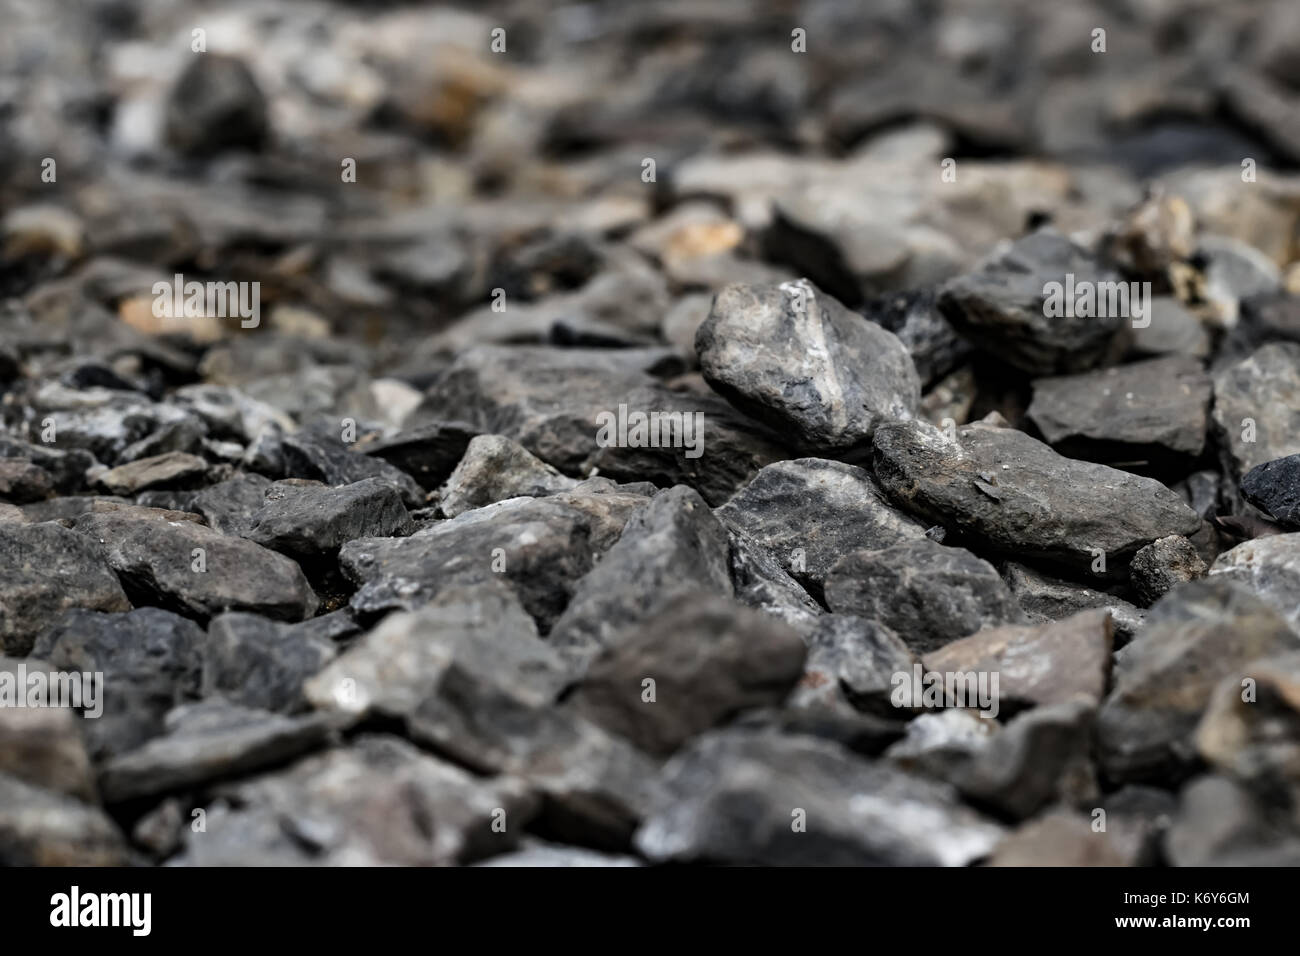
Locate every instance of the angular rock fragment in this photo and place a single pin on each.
(493, 469)
(760, 582)
(215, 105)
(1163, 565)
(1268, 566)
(1029, 305)
(1047, 664)
(707, 659)
(207, 741)
(47, 569)
(304, 518)
(1132, 413)
(1220, 823)
(149, 659)
(852, 661)
(1060, 838)
(1274, 488)
(194, 570)
(259, 663)
(1196, 636)
(42, 745)
(541, 546)
(322, 457)
(228, 506)
(810, 512)
(794, 357)
(172, 469)
(1045, 598)
(672, 548)
(377, 801)
(925, 592)
(731, 797)
(1015, 495)
(1254, 407)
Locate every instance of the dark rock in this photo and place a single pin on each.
(926, 593)
(811, 512)
(215, 105)
(304, 518)
(259, 663)
(737, 796)
(759, 581)
(207, 741)
(794, 357)
(1274, 488)
(186, 567)
(493, 469)
(1015, 495)
(1135, 412)
(428, 453)
(706, 660)
(321, 457)
(1001, 307)
(22, 481)
(672, 548)
(228, 506)
(1045, 598)
(1270, 567)
(852, 661)
(1196, 636)
(1163, 565)
(47, 569)
(150, 660)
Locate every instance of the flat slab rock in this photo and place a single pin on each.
(1013, 494)
(794, 357)
(308, 518)
(1146, 408)
(810, 512)
(732, 796)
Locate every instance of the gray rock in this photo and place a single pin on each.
(537, 853)
(735, 797)
(851, 664)
(228, 506)
(1137, 412)
(150, 659)
(1196, 636)
(759, 581)
(673, 547)
(41, 827)
(708, 659)
(1044, 598)
(259, 663)
(495, 468)
(1015, 495)
(1269, 566)
(320, 456)
(377, 801)
(66, 467)
(934, 345)
(794, 357)
(810, 512)
(159, 561)
(1001, 306)
(1163, 565)
(926, 593)
(1254, 407)
(1173, 330)
(1035, 666)
(22, 481)
(440, 668)
(1218, 821)
(305, 518)
(204, 742)
(171, 469)
(540, 546)
(1274, 488)
(47, 569)
(1058, 838)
